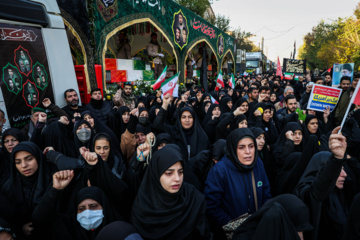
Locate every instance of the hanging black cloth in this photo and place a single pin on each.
(158, 214)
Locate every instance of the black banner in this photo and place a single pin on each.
(294, 66)
(25, 77)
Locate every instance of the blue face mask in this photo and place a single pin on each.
(90, 219)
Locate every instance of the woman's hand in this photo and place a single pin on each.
(90, 157)
(337, 143)
(62, 179)
(289, 135)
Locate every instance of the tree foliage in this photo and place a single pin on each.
(243, 40)
(220, 21)
(335, 42)
(197, 6)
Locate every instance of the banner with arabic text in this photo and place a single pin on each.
(183, 27)
(322, 97)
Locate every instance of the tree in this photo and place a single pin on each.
(222, 22)
(197, 6)
(335, 42)
(243, 40)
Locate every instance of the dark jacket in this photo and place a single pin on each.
(100, 108)
(328, 205)
(70, 112)
(229, 193)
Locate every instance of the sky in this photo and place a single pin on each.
(281, 22)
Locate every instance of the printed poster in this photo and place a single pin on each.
(322, 97)
(25, 77)
(180, 29)
(341, 70)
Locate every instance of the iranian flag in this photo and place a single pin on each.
(288, 76)
(160, 80)
(219, 80)
(232, 81)
(213, 100)
(169, 85)
(278, 70)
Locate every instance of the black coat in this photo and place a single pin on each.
(328, 205)
(24, 194)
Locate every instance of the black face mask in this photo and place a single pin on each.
(144, 120)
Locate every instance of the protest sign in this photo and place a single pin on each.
(294, 66)
(322, 97)
(341, 70)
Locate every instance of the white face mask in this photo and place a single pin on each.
(90, 219)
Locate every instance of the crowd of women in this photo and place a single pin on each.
(187, 168)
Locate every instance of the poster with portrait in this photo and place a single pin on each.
(180, 29)
(220, 45)
(341, 70)
(25, 73)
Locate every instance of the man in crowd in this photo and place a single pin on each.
(124, 49)
(281, 104)
(72, 101)
(98, 106)
(344, 101)
(264, 94)
(328, 80)
(155, 54)
(253, 94)
(125, 97)
(290, 107)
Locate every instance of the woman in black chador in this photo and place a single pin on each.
(166, 207)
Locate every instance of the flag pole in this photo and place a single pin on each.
(349, 106)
